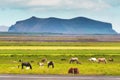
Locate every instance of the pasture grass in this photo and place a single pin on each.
(90, 52)
(9, 58)
(9, 61)
(85, 69)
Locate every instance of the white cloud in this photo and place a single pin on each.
(87, 4)
(43, 2)
(55, 4)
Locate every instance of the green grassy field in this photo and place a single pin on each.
(12, 52)
(29, 43)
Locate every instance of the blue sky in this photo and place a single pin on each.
(102, 10)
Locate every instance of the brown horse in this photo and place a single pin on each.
(73, 71)
(44, 60)
(111, 59)
(102, 60)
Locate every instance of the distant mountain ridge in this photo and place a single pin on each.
(78, 25)
(4, 29)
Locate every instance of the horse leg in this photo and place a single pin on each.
(105, 61)
(30, 67)
(70, 62)
(52, 65)
(98, 61)
(48, 65)
(22, 66)
(76, 62)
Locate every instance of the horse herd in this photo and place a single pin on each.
(99, 60)
(29, 66)
(72, 60)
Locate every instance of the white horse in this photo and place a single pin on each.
(93, 59)
(74, 59)
(41, 64)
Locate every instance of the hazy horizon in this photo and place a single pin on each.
(101, 10)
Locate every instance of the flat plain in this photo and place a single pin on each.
(55, 48)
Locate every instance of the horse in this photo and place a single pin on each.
(93, 59)
(40, 64)
(19, 60)
(73, 71)
(102, 60)
(51, 63)
(111, 59)
(63, 59)
(44, 60)
(27, 64)
(75, 59)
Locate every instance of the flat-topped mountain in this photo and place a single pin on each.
(78, 25)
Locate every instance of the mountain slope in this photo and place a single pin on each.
(78, 25)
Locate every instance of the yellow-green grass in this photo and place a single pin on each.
(56, 48)
(35, 51)
(30, 43)
(9, 61)
(62, 69)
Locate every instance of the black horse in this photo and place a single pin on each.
(27, 64)
(51, 64)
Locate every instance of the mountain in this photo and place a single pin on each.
(4, 28)
(78, 25)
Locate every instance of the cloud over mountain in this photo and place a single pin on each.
(55, 4)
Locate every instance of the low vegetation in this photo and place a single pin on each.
(10, 60)
(30, 43)
(11, 52)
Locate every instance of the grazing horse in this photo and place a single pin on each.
(40, 64)
(27, 64)
(51, 63)
(73, 71)
(63, 59)
(93, 59)
(75, 59)
(102, 60)
(19, 60)
(111, 59)
(44, 60)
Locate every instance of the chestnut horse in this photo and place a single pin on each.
(102, 60)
